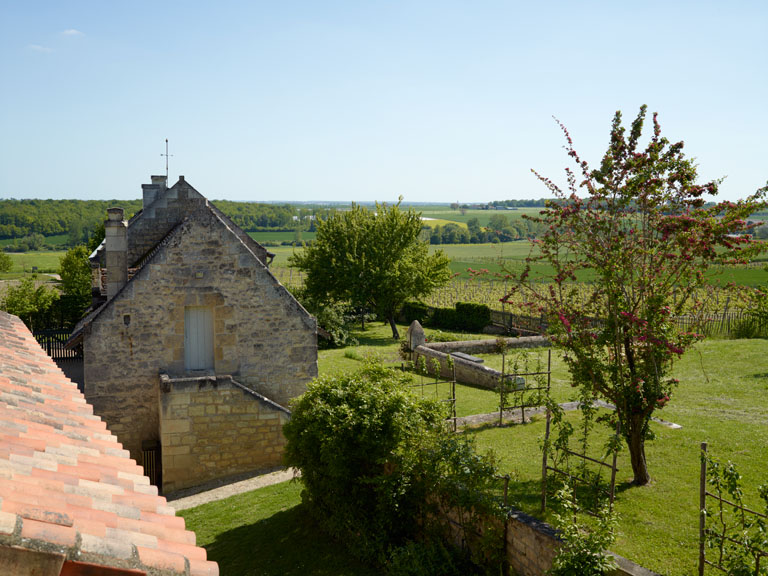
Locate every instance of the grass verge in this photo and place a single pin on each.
(267, 532)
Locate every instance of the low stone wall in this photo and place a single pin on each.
(466, 371)
(489, 346)
(212, 428)
(531, 546)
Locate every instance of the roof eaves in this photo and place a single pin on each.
(77, 333)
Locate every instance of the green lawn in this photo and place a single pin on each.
(45, 261)
(267, 532)
(722, 398)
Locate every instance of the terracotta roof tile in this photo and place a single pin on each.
(68, 486)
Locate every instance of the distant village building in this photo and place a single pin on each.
(193, 349)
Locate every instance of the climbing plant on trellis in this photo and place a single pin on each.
(523, 383)
(735, 535)
(438, 385)
(565, 453)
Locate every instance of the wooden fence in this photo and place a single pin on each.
(53, 342)
(724, 324)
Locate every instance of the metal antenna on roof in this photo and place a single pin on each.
(166, 159)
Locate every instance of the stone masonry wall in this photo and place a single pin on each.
(157, 219)
(466, 370)
(262, 336)
(214, 428)
(531, 545)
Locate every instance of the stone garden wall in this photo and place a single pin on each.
(531, 545)
(212, 428)
(466, 371)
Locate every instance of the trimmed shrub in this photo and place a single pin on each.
(377, 462)
(444, 318)
(356, 437)
(473, 317)
(414, 311)
(466, 317)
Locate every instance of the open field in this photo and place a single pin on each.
(285, 236)
(501, 258)
(45, 261)
(483, 216)
(58, 240)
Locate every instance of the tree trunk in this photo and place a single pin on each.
(636, 444)
(395, 333)
(362, 320)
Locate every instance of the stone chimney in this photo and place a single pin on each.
(116, 245)
(150, 192)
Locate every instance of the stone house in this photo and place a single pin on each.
(193, 348)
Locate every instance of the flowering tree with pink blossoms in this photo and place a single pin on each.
(637, 231)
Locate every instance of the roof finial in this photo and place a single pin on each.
(166, 159)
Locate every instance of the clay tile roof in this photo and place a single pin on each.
(70, 496)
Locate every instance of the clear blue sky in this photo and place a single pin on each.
(367, 100)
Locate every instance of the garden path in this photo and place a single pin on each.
(514, 416)
(191, 498)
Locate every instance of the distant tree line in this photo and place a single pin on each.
(30, 224)
(540, 203)
(499, 229)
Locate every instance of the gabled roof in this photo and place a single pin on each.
(76, 337)
(255, 249)
(259, 253)
(69, 493)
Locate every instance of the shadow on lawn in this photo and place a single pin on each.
(286, 543)
(370, 338)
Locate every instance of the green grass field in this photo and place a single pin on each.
(280, 236)
(267, 532)
(483, 216)
(722, 398)
(25, 262)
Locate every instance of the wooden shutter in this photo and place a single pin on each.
(198, 338)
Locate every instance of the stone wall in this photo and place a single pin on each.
(213, 428)
(531, 545)
(466, 370)
(262, 336)
(489, 346)
(159, 217)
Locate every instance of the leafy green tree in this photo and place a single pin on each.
(498, 222)
(371, 259)
(75, 272)
(96, 238)
(6, 263)
(33, 304)
(643, 233)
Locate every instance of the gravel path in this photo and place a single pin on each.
(209, 493)
(514, 416)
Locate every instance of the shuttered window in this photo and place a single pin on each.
(198, 338)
